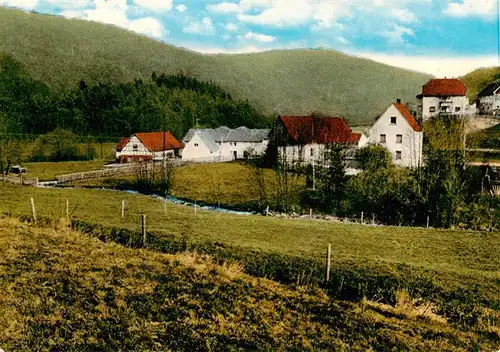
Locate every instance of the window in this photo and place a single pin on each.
(196, 144)
(235, 144)
(399, 138)
(393, 120)
(457, 109)
(432, 109)
(398, 155)
(135, 147)
(444, 108)
(382, 138)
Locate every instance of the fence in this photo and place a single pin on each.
(20, 180)
(121, 170)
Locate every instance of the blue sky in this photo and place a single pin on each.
(441, 37)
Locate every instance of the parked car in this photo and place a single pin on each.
(16, 169)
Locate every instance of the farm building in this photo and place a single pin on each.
(400, 133)
(148, 146)
(443, 96)
(489, 99)
(223, 143)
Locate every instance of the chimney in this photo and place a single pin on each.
(398, 101)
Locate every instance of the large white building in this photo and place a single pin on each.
(443, 96)
(398, 131)
(224, 144)
(148, 146)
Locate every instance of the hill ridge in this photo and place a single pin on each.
(60, 51)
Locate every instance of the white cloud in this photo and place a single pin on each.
(205, 27)
(23, 4)
(181, 8)
(396, 35)
(155, 5)
(231, 27)
(148, 26)
(224, 8)
(470, 8)
(115, 12)
(437, 66)
(343, 41)
(282, 14)
(258, 37)
(403, 15)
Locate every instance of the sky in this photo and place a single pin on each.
(446, 38)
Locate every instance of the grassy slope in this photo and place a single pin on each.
(61, 52)
(61, 290)
(478, 79)
(47, 171)
(453, 259)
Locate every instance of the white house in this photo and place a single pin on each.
(224, 143)
(443, 96)
(400, 133)
(489, 99)
(148, 146)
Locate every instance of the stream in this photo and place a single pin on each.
(169, 199)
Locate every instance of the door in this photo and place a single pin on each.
(235, 154)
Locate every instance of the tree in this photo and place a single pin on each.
(332, 176)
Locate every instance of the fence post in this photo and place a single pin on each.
(33, 210)
(165, 205)
(67, 210)
(195, 207)
(144, 230)
(362, 217)
(123, 209)
(328, 255)
(427, 221)
(37, 182)
(373, 219)
(310, 213)
(267, 210)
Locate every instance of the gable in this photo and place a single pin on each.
(402, 114)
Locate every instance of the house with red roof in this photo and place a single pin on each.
(302, 140)
(443, 96)
(148, 146)
(400, 133)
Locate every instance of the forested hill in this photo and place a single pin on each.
(173, 102)
(60, 52)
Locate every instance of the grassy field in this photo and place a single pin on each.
(61, 290)
(61, 52)
(226, 184)
(46, 171)
(453, 260)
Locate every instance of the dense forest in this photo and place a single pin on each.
(172, 102)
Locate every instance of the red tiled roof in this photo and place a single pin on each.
(155, 142)
(322, 130)
(408, 117)
(444, 87)
(122, 144)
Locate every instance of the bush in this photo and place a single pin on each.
(59, 145)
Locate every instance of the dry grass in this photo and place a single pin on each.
(61, 290)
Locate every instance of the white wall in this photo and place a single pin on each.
(129, 150)
(196, 148)
(228, 148)
(453, 102)
(411, 146)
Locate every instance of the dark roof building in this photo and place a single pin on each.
(490, 89)
(319, 130)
